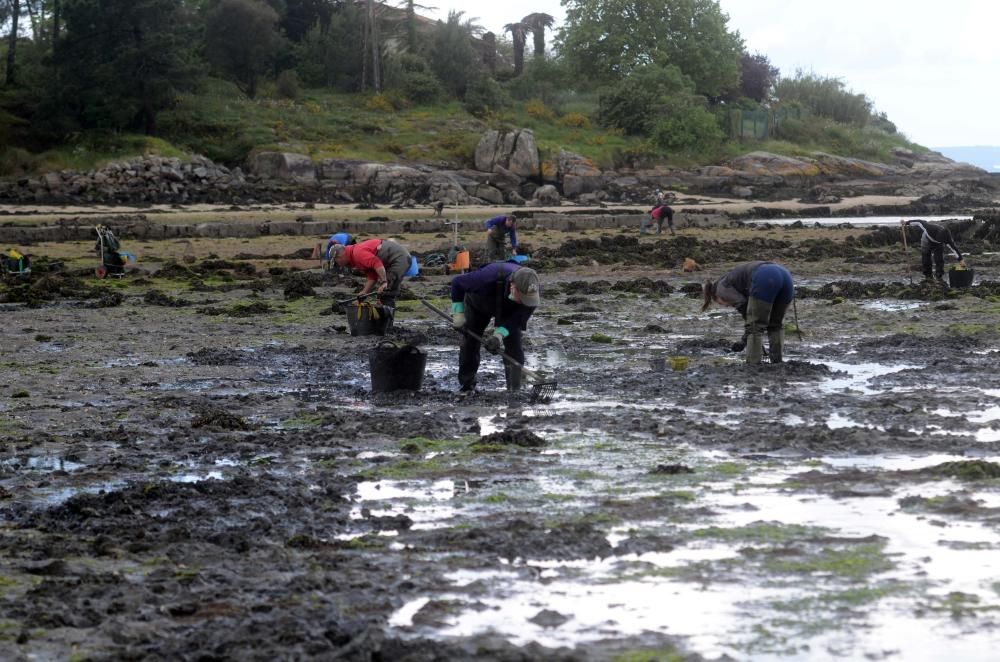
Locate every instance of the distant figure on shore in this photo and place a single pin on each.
(658, 215)
(497, 228)
(933, 239)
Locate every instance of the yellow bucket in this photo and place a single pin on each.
(679, 363)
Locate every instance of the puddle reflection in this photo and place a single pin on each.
(859, 375)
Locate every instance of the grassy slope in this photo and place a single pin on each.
(224, 125)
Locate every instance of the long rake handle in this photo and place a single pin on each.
(530, 374)
(906, 252)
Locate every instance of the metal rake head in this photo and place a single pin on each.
(543, 391)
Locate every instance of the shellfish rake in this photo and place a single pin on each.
(542, 388)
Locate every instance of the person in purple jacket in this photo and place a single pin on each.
(504, 292)
(761, 292)
(496, 229)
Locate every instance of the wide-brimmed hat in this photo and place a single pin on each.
(526, 281)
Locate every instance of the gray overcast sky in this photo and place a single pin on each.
(930, 66)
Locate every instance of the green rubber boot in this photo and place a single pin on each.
(513, 375)
(755, 348)
(775, 343)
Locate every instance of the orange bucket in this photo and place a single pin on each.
(461, 262)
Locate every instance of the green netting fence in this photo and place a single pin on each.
(759, 124)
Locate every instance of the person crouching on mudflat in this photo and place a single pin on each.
(383, 262)
(761, 291)
(504, 292)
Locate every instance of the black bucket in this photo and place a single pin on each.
(960, 277)
(367, 319)
(396, 367)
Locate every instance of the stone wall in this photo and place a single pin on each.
(141, 226)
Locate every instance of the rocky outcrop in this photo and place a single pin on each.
(514, 151)
(148, 179)
(578, 175)
(508, 172)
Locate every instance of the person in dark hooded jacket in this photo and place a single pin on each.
(504, 292)
(933, 238)
(761, 292)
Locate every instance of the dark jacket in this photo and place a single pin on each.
(488, 289)
(936, 234)
(497, 227)
(734, 287)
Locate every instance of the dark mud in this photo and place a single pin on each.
(199, 469)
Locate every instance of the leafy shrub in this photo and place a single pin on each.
(379, 103)
(287, 84)
(543, 79)
(826, 97)
(640, 155)
(422, 87)
(484, 95)
(633, 104)
(411, 75)
(536, 108)
(687, 126)
(15, 161)
(576, 120)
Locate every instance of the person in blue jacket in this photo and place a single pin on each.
(340, 238)
(497, 228)
(761, 292)
(504, 292)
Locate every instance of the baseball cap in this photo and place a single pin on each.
(526, 281)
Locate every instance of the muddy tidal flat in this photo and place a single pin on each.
(193, 465)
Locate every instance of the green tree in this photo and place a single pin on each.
(605, 39)
(537, 23)
(546, 79)
(120, 62)
(300, 16)
(15, 14)
(686, 125)
(635, 104)
(331, 55)
(518, 35)
(757, 77)
(411, 75)
(242, 41)
(484, 95)
(453, 58)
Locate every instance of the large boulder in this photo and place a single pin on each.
(385, 181)
(449, 188)
(284, 166)
(578, 175)
(546, 196)
(515, 151)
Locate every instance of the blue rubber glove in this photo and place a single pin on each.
(458, 314)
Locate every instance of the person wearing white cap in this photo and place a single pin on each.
(504, 292)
